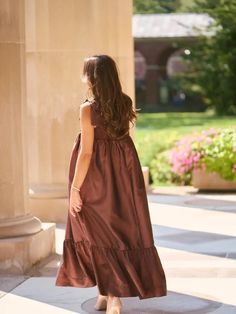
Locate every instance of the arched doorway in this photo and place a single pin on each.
(140, 79)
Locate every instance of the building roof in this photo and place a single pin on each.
(170, 25)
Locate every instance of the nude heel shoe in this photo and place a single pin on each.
(114, 306)
(101, 303)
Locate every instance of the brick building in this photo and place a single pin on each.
(160, 40)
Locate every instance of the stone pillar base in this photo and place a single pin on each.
(19, 226)
(19, 254)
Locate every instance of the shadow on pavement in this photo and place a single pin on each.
(173, 303)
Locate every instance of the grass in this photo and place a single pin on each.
(186, 5)
(156, 132)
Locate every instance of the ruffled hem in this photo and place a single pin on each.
(123, 273)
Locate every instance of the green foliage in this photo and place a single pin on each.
(150, 144)
(220, 154)
(212, 58)
(186, 6)
(155, 6)
(161, 171)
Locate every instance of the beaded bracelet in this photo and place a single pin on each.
(75, 188)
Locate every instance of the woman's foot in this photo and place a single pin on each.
(101, 303)
(114, 305)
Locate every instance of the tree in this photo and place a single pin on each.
(156, 6)
(213, 58)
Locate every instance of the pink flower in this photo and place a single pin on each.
(210, 132)
(203, 166)
(196, 158)
(209, 140)
(187, 152)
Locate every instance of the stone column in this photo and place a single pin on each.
(15, 217)
(59, 35)
(17, 224)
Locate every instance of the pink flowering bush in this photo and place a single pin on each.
(213, 150)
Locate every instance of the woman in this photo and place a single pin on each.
(109, 240)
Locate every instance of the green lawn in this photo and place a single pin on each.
(185, 5)
(156, 132)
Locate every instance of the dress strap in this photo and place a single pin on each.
(96, 118)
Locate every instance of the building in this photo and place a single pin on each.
(160, 40)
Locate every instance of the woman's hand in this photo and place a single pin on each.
(75, 202)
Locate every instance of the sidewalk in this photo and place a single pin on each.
(195, 235)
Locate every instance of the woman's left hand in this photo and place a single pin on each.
(75, 202)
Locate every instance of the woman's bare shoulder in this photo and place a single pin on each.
(87, 110)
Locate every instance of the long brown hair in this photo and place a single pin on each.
(115, 106)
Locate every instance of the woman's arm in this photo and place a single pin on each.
(86, 145)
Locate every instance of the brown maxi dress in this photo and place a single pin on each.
(110, 241)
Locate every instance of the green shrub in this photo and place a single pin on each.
(219, 155)
(213, 150)
(151, 143)
(160, 170)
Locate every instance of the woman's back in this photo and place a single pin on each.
(98, 122)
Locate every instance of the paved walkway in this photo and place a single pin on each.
(195, 237)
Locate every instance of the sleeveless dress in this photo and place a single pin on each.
(110, 241)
